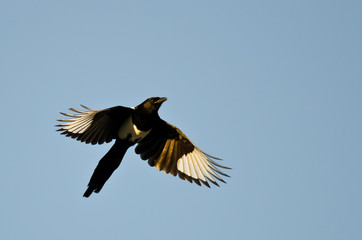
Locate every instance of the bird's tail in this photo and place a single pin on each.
(106, 166)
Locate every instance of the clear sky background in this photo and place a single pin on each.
(272, 87)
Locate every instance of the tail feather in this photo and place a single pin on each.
(106, 166)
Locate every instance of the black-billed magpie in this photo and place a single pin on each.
(163, 145)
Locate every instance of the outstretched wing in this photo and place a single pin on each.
(94, 126)
(168, 149)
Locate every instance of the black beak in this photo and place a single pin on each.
(161, 100)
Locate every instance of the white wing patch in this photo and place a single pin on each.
(78, 123)
(200, 166)
(130, 131)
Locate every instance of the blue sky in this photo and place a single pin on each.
(272, 87)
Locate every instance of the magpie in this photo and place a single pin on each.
(162, 144)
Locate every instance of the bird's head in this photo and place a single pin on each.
(152, 104)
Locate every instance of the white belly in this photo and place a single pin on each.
(130, 132)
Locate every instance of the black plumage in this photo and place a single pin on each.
(164, 146)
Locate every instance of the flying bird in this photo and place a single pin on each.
(164, 146)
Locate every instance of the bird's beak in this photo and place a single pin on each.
(161, 100)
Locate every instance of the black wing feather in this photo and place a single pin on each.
(168, 148)
(94, 126)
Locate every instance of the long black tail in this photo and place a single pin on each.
(106, 166)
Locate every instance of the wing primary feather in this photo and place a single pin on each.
(201, 165)
(203, 161)
(67, 120)
(197, 168)
(187, 166)
(217, 176)
(197, 181)
(215, 183)
(210, 167)
(217, 164)
(87, 136)
(78, 122)
(92, 110)
(210, 156)
(219, 171)
(192, 167)
(188, 178)
(100, 127)
(181, 164)
(216, 169)
(78, 111)
(79, 125)
(85, 126)
(70, 125)
(97, 133)
(206, 183)
(70, 115)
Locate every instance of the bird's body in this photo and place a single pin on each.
(163, 145)
(130, 131)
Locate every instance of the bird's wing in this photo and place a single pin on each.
(94, 126)
(168, 148)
